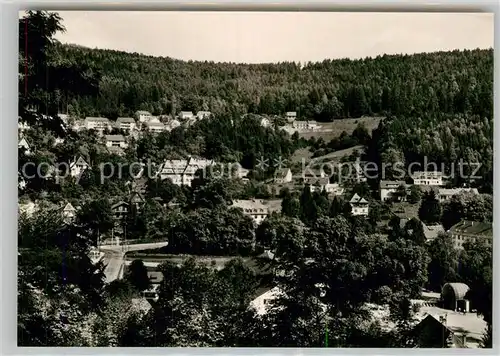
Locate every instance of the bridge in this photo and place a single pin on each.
(114, 257)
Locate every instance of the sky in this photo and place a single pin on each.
(263, 37)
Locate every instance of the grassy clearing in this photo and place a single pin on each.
(333, 129)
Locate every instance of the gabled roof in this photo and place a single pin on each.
(186, 113)
(68, 207)
(125, 120)
(115, 138)
(356, 199)
(120, 203)
(473, 228)
(282, 172)
(291, 113)
(79, 162)
(23, 142)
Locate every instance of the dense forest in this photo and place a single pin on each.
(422, 84)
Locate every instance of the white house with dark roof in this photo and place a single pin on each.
(446, 194)
(143, 116)
(359, 206)
(125, 123)
(186, 115)
(23, 144)
(155, 127)
(116, 141)
(97, 123)
(258, 209)
(68, 212)
(78, 166)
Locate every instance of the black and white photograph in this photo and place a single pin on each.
(255, 179)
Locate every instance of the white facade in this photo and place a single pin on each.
(389, 188)
(182, 172)
(143, 116)
(471, 231)
(116, 141)
(155, 127)
(23, 143)
(283, 176)
(334, 188)
(446, 194)
(254, 209)
(428, 178)
(126, 123)
(97, 123)
(69, 213)
(186, 115)
(77, 167)
(359, 206)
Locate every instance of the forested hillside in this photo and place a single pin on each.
(446, 82)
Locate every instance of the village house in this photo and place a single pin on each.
(446, 194)
(430, 178)
(359, 205)
(200, 115)
(472, 231)
(120, 210)
(389, 189)
(291, 116)
(258, 209)
(97, 123)
(137, 200)
(68, 213)
(125, 123)
(186, 115)
(116, 141)
(182, 172)
(143, 116)
(155, 126)
(22, 125)
(282, 176)
(334, 189)
(78, 166)
(23, 144)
